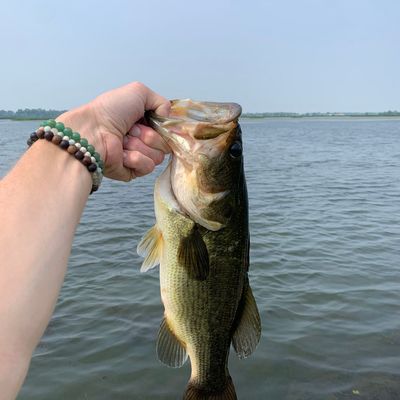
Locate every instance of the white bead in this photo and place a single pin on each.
(47, 128)
(66, 138)
(78, 145)
(87, 154)
(61, 134)
(83, 149)
(54, 130)
(71, 141)
(93, 159)
(100, 170)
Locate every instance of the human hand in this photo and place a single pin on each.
(110, 123)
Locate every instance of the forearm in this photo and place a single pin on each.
(41, 201)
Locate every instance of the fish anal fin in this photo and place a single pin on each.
(150, 248)
(247, 328)
(193, 255)
(170, 350)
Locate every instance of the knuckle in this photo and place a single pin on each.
(145, 130)
(134, 157)
(138, 85)
(147, 138)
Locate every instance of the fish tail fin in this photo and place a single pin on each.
(196, 392)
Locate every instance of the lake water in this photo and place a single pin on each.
(325, 270)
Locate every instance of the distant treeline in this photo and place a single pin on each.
(40, 113)
(30, 113)
(319, 114)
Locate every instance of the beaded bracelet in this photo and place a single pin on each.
(66, 139)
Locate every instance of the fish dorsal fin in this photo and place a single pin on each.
(193, 255)
(248, 324)
(150, 248)
(169, 350)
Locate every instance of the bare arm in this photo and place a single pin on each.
(41, 201)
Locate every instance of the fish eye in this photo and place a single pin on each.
(235, 150)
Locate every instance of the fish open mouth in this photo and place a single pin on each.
(198, 134)
(205, 120)
(203, 111)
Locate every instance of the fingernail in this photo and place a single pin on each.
(135, 131)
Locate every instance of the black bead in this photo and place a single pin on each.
(49, 135)
(33, 137)
(92, 167)
(64, 144)
(86, 161)
(29, 142)
(79, 155)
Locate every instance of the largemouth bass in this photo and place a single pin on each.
(201, 241)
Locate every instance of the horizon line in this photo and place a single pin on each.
(244, 112)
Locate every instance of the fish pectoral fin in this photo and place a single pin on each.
(169, 350)
(193, 255)
(150, 248)
(248, 325)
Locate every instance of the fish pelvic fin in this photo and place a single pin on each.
(170, 350)
(193, 255)
(196, 392)
(247, 325)
(150, 248)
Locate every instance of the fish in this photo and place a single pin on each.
(201, 242)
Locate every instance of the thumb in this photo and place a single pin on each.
(157, 103)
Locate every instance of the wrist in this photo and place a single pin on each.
(67, 138)
(83, 120)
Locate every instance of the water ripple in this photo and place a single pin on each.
(325, 230)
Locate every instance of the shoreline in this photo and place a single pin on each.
(324, 118)
(292, 118)
(23, 119)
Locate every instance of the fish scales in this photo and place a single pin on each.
(201, 240)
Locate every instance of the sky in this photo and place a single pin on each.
(283, 55)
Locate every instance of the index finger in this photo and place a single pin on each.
(149, 137)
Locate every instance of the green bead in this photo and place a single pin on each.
(51, 123)
(101, 164)
(96, 155)
(84, 142)
(90, 149)
(60, 126)
(76, 136)
(44, 123)
(68, 132)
